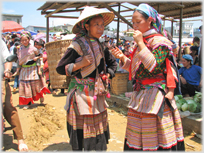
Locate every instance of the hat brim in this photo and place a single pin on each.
(107, 17)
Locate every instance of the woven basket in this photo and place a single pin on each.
(55, 51)
(119, 83)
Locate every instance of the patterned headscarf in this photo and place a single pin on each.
(81, 26)
(153, 14)
(26, 33)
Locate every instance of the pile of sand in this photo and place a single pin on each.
(45, 123)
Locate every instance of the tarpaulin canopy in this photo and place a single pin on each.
(31, 32)
(10, 26)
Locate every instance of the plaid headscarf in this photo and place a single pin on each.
(153, 14)
(81, 26)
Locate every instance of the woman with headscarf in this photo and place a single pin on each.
(191, 76)
(87, 122)
(32, 86)
(153, 121)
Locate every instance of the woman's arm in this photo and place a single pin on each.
(67, 64)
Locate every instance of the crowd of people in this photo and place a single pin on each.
(153, 120)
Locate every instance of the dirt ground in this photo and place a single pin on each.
(44, 127)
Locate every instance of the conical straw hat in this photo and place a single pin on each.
(91, 11)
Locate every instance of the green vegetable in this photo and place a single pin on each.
(176, 98)
(198, 108)
(198, 96)
(178, 106)
(190, 101)
(184, 107)
(179, 96)
(192, 107)
(182, 101)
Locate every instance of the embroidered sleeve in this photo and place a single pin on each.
(126, 65)
(66, 63)
(153, 60)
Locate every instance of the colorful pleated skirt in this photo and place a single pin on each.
(148, 132)
(31, 90)
(88, 132)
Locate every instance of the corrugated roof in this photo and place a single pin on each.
(169, 9)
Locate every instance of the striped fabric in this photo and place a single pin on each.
(149, 132)
(92, 125)
(85, 71)
(147, 59)
(86, 104)
(27, 53)
(148, 100)
(31, 90)
(29, 73)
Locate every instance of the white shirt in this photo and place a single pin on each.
(4, 54)
(4, 51)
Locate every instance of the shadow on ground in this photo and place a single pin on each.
(8, 143)
(58, 147)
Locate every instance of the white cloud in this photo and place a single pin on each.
(60, 21)
(8, 11)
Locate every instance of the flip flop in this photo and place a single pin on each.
(26, 107)
(54, 93)
(22, 146)
(42, 100)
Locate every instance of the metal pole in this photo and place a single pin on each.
(180, 31)
(118, 26)
(47, 31)
(172, 28)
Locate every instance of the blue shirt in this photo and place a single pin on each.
(192, 75)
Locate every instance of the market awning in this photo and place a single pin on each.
(11, 26)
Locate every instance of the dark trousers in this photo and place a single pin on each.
(9, 111)
(189, 89)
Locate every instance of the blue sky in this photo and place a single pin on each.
(31, 16)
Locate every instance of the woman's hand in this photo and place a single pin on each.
(137, 35)
(35, 58)
(7, 74)
(86, 60)
(117, 53)
(183, 80)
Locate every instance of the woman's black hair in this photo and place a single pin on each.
(40, 43)
(143, 14)
(88, 22)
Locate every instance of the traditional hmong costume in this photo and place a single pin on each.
(153, 122)
(87, 120)
(32, 86)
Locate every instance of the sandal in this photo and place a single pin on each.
(26, 107)
(14, 89)
(22, 146)
(54, 93)
(61, 94)
(42, 100)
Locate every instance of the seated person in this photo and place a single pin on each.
(190, 76)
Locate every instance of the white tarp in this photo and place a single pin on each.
(68, 37)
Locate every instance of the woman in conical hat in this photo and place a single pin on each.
(153, 120)
(87, 122)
